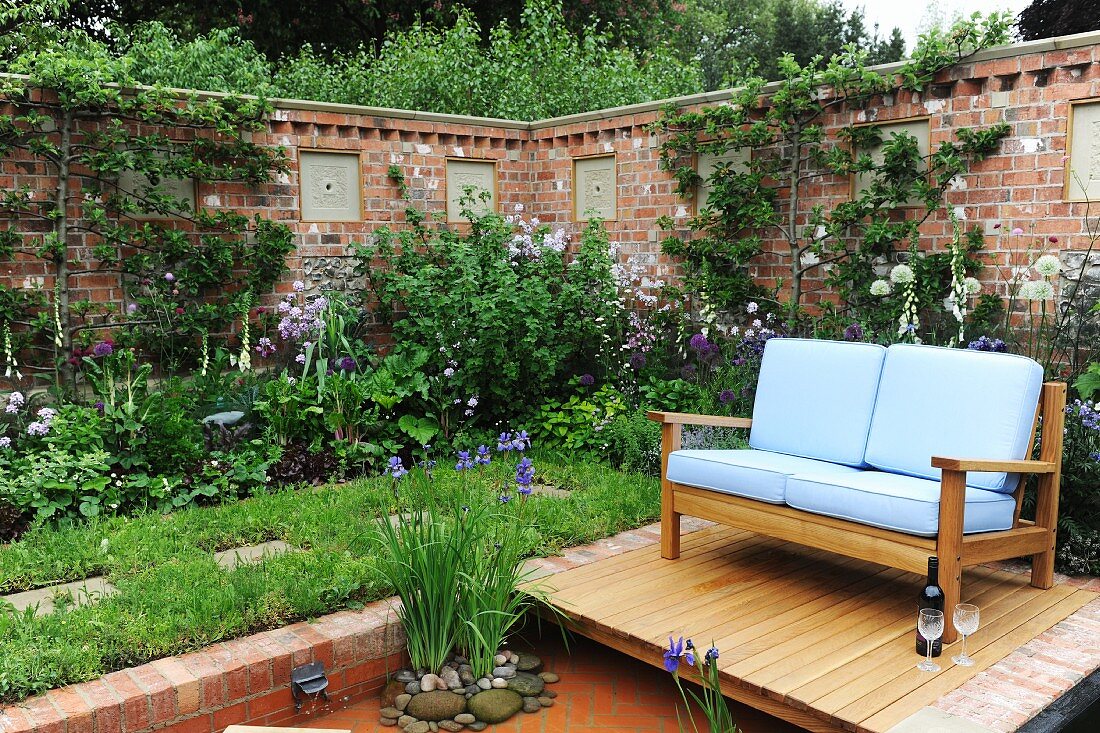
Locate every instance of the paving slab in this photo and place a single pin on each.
(230, 559)
(931, 720)
(81, 592)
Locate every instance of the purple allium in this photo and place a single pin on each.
(103, 348)
(100, 406)
(169, 277)
(587, 380)
(637, 360)
(348, 364)
(727, 396)
(699, 342)
(132, 308)
(853, 332)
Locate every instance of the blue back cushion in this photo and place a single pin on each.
(955, 403)
(815, 399)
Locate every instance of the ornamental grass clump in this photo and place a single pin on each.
(456, 563)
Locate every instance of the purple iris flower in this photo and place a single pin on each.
(396, 468)
(673, 653)
(521, 441)
(464, 461)
(483, 458)
(504, 442)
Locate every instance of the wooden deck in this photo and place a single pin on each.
(822, 641)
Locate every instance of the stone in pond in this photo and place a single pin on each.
(526, 684)
(531, 705)
(228, 418)
(450, 725)
(390, 713)
(419, 726)
(495, 706)
(479, 725)
(528, 663)
(436, 705)
(405, 721)
(465, 718)
(401, 701)
(500, 659)
(549, 677)
(505, 672)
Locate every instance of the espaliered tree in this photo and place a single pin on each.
(773, 146)
(96, 173)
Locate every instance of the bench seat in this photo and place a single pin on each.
(896, 502)
(753, 474)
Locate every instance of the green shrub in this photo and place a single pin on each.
(577, 423)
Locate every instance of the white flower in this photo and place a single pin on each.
(809, 259)
(752, 307)
(880, 288)
(902, 274)
(5, 442)
(1048, 266)
(448, 372)
(973, 285)
(1037, 290)
(299, 286)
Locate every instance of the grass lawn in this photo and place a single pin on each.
(174, 597)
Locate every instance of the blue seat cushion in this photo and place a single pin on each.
(894, 501)
(754, 474)
(815, 398)
(955, 403)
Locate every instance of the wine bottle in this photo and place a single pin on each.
(931, 596)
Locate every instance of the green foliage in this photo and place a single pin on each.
(763, 197)
(1049, 18)
(634, 443)
(1088, 384)
(537, 70)
(218, 61)
(575, 424)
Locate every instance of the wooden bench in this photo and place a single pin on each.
(954, 549)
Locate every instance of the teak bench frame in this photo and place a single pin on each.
(893, 549)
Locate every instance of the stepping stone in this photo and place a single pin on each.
(551, 491)
(82, 592)
(230, 559)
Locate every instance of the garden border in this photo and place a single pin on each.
(247, 680)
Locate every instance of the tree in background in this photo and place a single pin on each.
(729, 38)
(1048, 18)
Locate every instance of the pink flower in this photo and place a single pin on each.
(1017, 230)
(169, 277)
(1054, 240)
(179, 311)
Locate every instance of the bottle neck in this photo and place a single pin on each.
(933, 574)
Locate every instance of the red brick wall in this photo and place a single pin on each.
(1022, 186)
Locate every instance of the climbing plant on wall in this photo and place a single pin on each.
(102, 195)
(771, 146)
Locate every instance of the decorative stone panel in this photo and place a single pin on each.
(478, 175)
(330, 187)
(136, 185)
(918, 128)
(1083, 166)
(706, 163)
(594, 186)
(332, 273)
(1079, 294)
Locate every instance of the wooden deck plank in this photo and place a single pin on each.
(823, 641)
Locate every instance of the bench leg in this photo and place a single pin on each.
(1046, 515)
(949, 546)
(670, 519)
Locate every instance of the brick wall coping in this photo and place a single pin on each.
(1060, 43)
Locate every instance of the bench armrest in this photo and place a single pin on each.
(978, 464)
(685, 418)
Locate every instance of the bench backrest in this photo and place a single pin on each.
(815, 399)
(955, 403)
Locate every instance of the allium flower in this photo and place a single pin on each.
(727, 396)
(1037, 290)
(472, 402)
(902, 274)
(699, 342)
(752, 307)
(854, 332)
(179, 311)
(5, 442)
(169, 277)
(1048, 266)
(348, 364)
(637, 360)
(973, 285)
(131, 308)
(880, 288)
(103, 348)
(1053, 240)
(587, 380)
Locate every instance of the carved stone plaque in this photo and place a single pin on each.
(480, 175)
(738, 160)
(137, 186)
(594, 188)
(920, 129)
(329, 186)
(1083, 176)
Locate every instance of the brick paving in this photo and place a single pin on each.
(601, 691)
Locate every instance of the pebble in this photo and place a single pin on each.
(387, 722)
(405, 721)
(450, 678)
(512, 657)
(466, 676)
(549, 677)
(546, 701)
(465, 718)
(527, 663)
(506, 672)
(431, 683)
(479, 725)
(549, 693)
(531, 705)
(401, 701)
(461, 660)
(499, 683)
(390, 713)
(484, 683)
(472, 689)
(500, 659)
(413, 688)
(405, 675)
(420, 726)
(451, 726)
(433, 727)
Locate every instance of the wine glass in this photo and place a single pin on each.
(965, 619)
(930, 626)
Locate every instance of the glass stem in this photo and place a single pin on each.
(964, 646)
(929, 651)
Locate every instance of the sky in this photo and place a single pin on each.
(908, 14)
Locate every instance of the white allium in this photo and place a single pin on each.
(1037, 290)
(973, 285)
(902, 274)
(1048, 266)
(880, 287)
